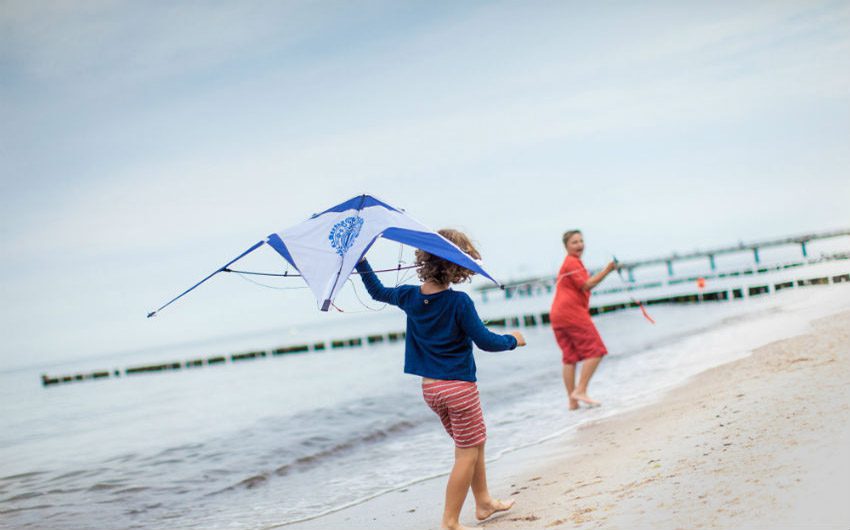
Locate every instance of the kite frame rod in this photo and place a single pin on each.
(220, 269)
(288, 275)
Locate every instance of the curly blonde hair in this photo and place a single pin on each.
(434, 268)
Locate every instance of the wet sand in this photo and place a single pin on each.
(763, 442)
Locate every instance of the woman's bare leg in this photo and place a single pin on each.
(587, 369)
(569, 373)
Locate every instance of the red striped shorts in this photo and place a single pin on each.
(458, 406)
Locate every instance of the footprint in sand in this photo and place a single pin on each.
(531, 517)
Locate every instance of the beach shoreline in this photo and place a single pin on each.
(762, 441)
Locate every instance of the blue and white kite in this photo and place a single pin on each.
(325, 248)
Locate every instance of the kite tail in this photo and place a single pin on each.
(645, 314)
(636, 302)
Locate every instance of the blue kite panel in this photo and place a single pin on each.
(277, 243)
(434, 244)
(357, 203)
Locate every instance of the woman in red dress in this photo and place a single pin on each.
(570, 317)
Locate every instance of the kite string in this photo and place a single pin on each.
(357, 295)
(247, 279)
(398, 281)
(407, 276)
(398, 270)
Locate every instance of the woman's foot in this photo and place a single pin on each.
(584, 398)
(495, 505)
(573, 404)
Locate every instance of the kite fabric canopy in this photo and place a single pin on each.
(325, 248)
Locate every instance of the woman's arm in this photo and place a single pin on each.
(597, 278)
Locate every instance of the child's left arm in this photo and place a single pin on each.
(374, 286)
(478, 332)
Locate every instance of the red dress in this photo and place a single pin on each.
(570, 315)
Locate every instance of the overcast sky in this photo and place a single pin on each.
(144, 144)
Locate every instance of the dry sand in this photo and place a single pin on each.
(763, 442)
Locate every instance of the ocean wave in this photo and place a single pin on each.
(317, 458)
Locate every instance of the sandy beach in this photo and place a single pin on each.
(762, 442)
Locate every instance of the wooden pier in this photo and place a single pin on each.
(754, 248)
(526, 285)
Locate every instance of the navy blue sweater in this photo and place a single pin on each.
(440, 329)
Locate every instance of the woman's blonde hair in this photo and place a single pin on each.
(431, 267)
(568, 234)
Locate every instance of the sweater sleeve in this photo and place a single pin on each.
(485, 339)
(374, 286)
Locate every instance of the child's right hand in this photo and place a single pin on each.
(520, 340)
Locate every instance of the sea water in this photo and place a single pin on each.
(279, 439)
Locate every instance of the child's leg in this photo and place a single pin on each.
(459, 481)
(485, 505)
(479, 479)
(570, 383)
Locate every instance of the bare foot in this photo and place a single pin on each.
(584, 398)
(495, 505)
(573, 404)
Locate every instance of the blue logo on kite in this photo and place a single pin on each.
(344, 233)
